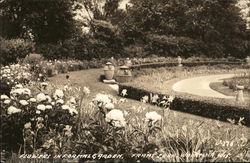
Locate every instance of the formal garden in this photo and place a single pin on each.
(125, 81)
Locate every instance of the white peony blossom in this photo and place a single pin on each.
(41, 107)
(26, 91)
(153, 116)
(72, 111)
(32, 100)
(48, 107)
(41, 97)
(23, 102)
(60, 101)
(38, 112)
(72, 100)
(65, 107)
(27, 125)
(6, 102)
(18, 91)
(116, 118)
(103, 98)
(109, 106)
(13, 110)
(18, 86)
(4, 97)
(58, 94)
(48, 98)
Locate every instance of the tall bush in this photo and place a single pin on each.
(14, 49)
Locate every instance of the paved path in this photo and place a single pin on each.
(200, 85)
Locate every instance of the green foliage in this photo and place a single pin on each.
(47, 21)
(33, 58)
(14, 49)
(215, 25)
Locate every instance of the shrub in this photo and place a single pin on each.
(174, 46)
(14, 49)
(33, 58)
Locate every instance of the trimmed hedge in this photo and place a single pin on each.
(205, 108)
(188, 64)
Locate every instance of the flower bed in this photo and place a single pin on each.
(241, 79)
(39, 118)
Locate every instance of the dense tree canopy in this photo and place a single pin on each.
(214, 28)
(216, 24)
(47, 21)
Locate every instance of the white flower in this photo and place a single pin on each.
(153, 116)
(38, 112)
(18, 91)
(124, 92)
(26, 91)
(171, 98)
(39, 119)
(86, 90)
(27, 125)
(145, 99)
(40, 97)
(72, 100)
(19, 86)
(155, 98)
(60, 101)
(48, 107)
(4, 97)
(65, 107)
(116, 118)
(41, 107)
(32, 100)
(58, 94)
(67, 130)
(6, 102)
(13, 110)
(109, 106)
(73, 111)
(48, 98)
(23, 102)
(103, 98)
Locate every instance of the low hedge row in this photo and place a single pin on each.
(188, 64)
(210, 109)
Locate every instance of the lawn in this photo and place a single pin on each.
(220, 87)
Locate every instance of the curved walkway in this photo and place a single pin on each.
(200, 85)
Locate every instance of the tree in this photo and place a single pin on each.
(48, 20)
(216, 24)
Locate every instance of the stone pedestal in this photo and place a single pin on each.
(239, 95)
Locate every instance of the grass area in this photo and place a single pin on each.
(161, 80)
(218, 86)
(90, 79)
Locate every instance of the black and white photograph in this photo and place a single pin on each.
(124, 81)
